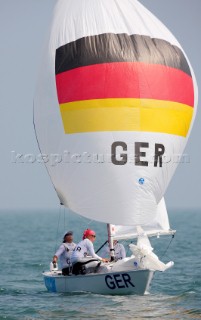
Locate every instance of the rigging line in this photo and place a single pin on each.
(60, 209)
(102, 246)
(168, 246)
(64, 219)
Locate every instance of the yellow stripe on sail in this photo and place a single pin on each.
(126, 115)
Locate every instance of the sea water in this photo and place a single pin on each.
(29, 240)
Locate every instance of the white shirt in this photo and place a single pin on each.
(83, 249)
(119, 251)
(64, 254)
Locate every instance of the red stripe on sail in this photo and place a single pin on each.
(125, 80)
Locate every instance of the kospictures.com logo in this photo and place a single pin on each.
(67, 157)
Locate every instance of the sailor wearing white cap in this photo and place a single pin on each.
(64, 253)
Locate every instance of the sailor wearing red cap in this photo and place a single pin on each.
(84, 258)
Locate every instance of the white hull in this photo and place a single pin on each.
(115, 283)
(131, 275)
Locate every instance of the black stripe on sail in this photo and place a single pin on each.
(109, 47)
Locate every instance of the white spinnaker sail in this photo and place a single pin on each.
(113, 80)
(159, 226)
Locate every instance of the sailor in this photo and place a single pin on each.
(119, 251)
(64, 253)
(84, 258)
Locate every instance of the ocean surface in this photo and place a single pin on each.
(29, 239)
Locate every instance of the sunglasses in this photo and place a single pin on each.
(93, 235)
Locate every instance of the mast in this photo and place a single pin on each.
(110, 240)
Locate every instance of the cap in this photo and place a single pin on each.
(88, 232)
(68, 233)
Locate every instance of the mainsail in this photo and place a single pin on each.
(113, 109)
(159, 226)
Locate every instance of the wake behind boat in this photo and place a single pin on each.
(114, 106)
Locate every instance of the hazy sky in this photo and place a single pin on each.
(23, 25)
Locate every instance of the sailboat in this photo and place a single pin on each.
(114, 106)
